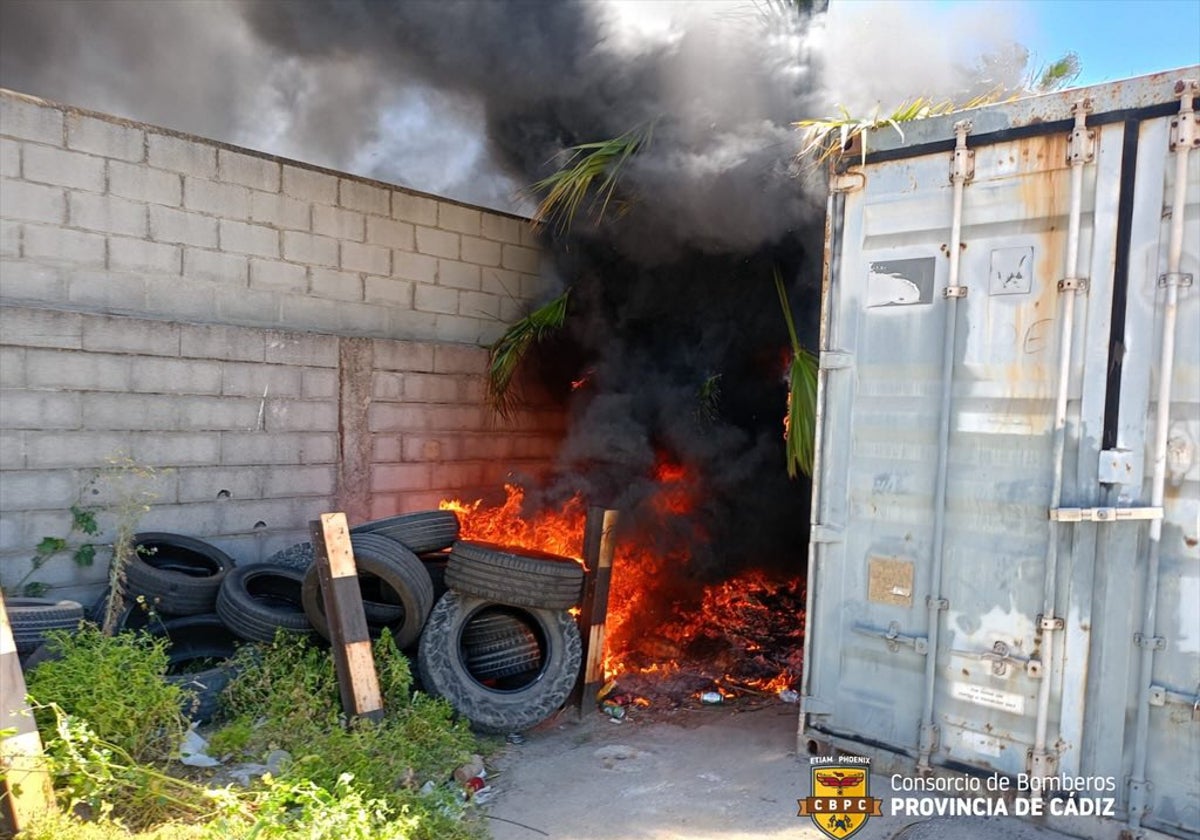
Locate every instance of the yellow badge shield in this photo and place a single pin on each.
(840, 803)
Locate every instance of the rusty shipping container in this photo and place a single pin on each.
(1004, 575)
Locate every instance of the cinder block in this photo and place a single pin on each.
(449, 358)
(391, 477)
(33, 282)
(69, 169)
(389, 233)
(402, 355)
(140, 255)
(10, 158)
(479, 305)
(458, 218)
(106, 213)
(131, 412)
(30, 120)
(109, 334)
(242, 238)
(500, 281)
(364, 197)
(501, 228)
(179, 226)
(392, 417)
(182, 155)
(386, 385)
(535, 288)
(219, 484)
(319, 384)
(457, 476)
(535, 446)
(262, 381)
(461, 329)
(522, 259)
(339, 285)
(487, 447)
(458, 275)
(431, 449)
(444, 418)
(338, 223)
(229, 201)
(480, 251)
(106, 291)
(215, 266)
(40, 328)
(51, 450)
(437, 243)
(250, 307)
(416, 267)
(145, 184)
(410, 207)
(105, 138)
(412, 325)
(175, 376)
(309, 249)
(532, 237)
(280, 210)
(10, 239)
(356, 319)
(487, 332)
(185, 298)
(273, 275)
(311, 313)
(249, 171)
(384, 449)
(371, 259)
(430, 388)
(388, 291)
(301, 416)
(266, 514)
(309, 185)
(12, 365)
(188, 519)
(254, 448)
(472, 389)
(203, 341)
(38, 490)
(289, 348)
(235, 414)
(60, 245)
(171, 449)
(289, 481)
(435, 299)
(35, 202)
(37, 410)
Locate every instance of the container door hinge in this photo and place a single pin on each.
(815, 706)
(928, 737)
(1042, 765)
(1104, 514)
(824, 534)
(835, 360)
(1140, 794)
(1117, 466)
(893, 637)
(962, 164)
(1185, 128)
(1149, 642)
(1081, 144)
(954, 292)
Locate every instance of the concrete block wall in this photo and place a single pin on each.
(272, 340)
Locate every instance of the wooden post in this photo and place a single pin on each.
(599, 541)
(348, 634)
(25, 787)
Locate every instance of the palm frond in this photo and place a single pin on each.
(800, 419)
(506, 353)
(589, 169)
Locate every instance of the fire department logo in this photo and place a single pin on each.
(840, 803)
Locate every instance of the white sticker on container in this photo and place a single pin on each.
(993, 698)
(979, 743)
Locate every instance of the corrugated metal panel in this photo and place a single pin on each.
(869, 631)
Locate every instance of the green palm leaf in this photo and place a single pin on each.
(800, 420)
(506, 353)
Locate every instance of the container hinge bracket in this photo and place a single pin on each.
(1149, 642)
(1177, 278)
(848, 182)
(940, 604)
(893, 637)
(1185, 128)
(815, 706)
(1041, 765)
(835, 360)
(1140, 794)
(1073, 284)
(824, 534)
(1104, 514)
(1161, 695)
(1117, 466)
(1050, 623)
(1081, 143)
(962, 164)
(954, 292)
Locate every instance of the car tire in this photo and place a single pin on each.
(420, 532)
(257, 601)
(178, 575)
(516, 576)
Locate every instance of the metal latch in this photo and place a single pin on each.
(962, 164)
(835, 360)
(893, 637)
(1104, 514)
(1081, 144)
(1001, 657)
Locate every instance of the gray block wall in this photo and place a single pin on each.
(272, 340)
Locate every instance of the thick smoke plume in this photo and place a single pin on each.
(673, 302)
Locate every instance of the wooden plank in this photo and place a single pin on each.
(25, 786)
(599, 542)
(348, 633)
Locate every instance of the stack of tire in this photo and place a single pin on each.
(500, 645)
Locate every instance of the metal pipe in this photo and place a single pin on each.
(1069, 287)
(1166, 372)
(959, 174)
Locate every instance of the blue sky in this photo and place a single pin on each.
(1115, 39)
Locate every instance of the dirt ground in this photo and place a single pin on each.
(709, 773)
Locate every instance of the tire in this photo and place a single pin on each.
(435, 564)
(396, 568)
(380, 603)
(179, 575)
(501, 705)
(199, 639)
(256, 601)
(420, 533)
(517, 654)
(517, 576)
(32, 618)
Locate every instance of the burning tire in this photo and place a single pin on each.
(421, 532)
(256, 601)
(495, 703)
(520, 577)
(178, 575)
(398, 574)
